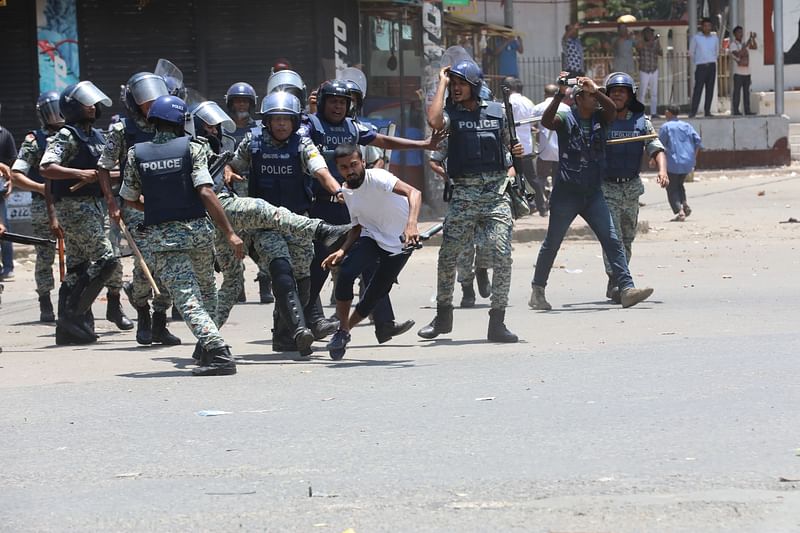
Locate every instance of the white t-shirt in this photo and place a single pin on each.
(381, 213)
(523, 108)
(548, 140)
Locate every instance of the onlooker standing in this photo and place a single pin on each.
(507, 56)
(682, 143)
(623, 50)
(547, 163)
(704, 50)
(8, 154)
(572, 51)
(741, 69)
(649, 50)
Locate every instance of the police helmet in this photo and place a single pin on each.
(143, 87)
(168, 108)
(622, 79)
(356, 96)
(468, 71)
(75, 96)
(333, 88)
(281, 103)
(47, 109)
(240, 89)
(289, 81)
(212, 114)
(173, 77)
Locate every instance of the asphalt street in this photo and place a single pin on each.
(680, 414)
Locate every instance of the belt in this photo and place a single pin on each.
(619, 180)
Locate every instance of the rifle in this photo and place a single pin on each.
(25, 239)
(519, 201)
(219, 164)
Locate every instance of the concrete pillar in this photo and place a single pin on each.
(777, 21)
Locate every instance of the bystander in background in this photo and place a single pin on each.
(8, 154)
(623, 50)
(547, 162)
(572, 51)
(506, 53)
(649, 49)
(740, 52)
(704, 50)
(681, 143)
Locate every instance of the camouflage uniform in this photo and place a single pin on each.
(115, 150)
(27, 160)
(83, 218)
(623, 198)
(181, 251)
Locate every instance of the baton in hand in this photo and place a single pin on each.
(139, 256)
(62, 265)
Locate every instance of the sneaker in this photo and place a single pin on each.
(338, 344)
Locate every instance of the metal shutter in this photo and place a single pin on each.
(19, 69)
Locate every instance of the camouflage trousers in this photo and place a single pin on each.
(476, 254)
(481, 206)
(85, 225)
(253, 217)
(141, 291)
(114, 234)
(623, 203)
(45, 253)
(188, 275)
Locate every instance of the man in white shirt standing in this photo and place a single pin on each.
(704, 50)
(384, 211)
(524, 109)
(547, 163)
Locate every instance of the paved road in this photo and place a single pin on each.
(678, 415)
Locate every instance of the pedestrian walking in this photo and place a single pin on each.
(682, 144)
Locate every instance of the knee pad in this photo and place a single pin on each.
(282, 277)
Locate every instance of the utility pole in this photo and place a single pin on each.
(777, 21)
(508, 13)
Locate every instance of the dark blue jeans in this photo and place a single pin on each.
(364, 255)
(565, 205)
(7, 247)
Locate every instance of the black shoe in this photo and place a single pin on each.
(338, 344)
(323, 328)
(175, 314)
(265, 290)
(467, 295)
(115, 314)
(613, 292)
(484, 285)
(70, 330)
(161, 334)
(441, 323)
(144, 328)
(736, 114)
(46, 313)
(331, 236)
(385, 332)
(216, 362)
(497, 328)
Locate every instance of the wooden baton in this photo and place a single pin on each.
(623, 140)
(62, 266)
(138, 255)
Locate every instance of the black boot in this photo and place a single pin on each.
(331, 236)
(320, 326)
(70, 329)
(484, 285)
(115, 314)
(216, 362)
(161, 334)
(46, 309)
(290, 321)
(265, 289)
(467, 295)
(175, 314)
(385, 332)
(441, 323)
(144, 331)
(497, 328)
(197, 355)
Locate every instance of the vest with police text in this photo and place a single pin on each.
(276, 173)
(90, 146)
(625, 159)
(327, 137)
(167, 186)
(475, 144)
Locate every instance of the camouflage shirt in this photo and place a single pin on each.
(29, 154)
(310, 158)
(116, 145)
(61, 148)
(173, 235)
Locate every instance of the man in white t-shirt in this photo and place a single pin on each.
(547, 163)
(384, 211)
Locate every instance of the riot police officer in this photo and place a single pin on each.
(25, 175)
(142, 89)
(69, 159)
(480, 167)
(171, 173)
(622, 186)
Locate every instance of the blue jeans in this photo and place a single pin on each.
(364, 256)
(565, 205)
(7, 247)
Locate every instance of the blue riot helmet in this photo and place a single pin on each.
(471, 73)
(281, 103)
(333, 88)
(356, 97)
(74, 97)
(621, 79)
(141, 88)
(47, 109)
(169, 109)
(241, 89)
(208, 115)
(289, 81)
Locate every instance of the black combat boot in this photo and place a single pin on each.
(331, 236)
(441, 323)
(175, 314)
(216, 362)
(46, 309)
(115, 314)
(144, 331)
(292, 324)
(467, 295)
(320, 326)
(484, 285)
(161, 334)
(71, 329)
(265, 289)
(497, 328)
(385, 332)
(198, 352)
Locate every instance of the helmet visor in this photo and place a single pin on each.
(88, 94)
(166, 69)
(284, 78)
(356, 76)
(49, 112)
(455, 55)
(213, 115)
(148, 88)
(280, 103)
